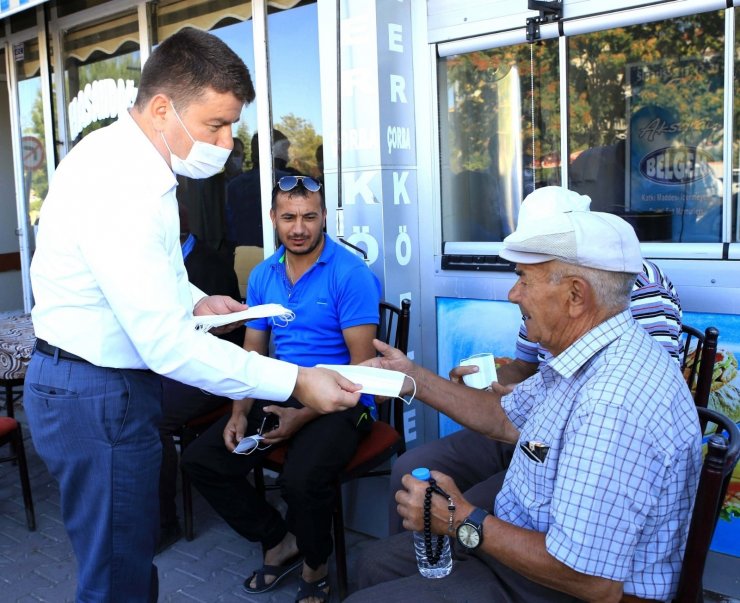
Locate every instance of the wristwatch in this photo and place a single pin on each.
(470, 531)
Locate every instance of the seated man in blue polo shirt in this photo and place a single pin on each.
(335, 298)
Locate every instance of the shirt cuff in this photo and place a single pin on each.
(273, 379)
(196, 293)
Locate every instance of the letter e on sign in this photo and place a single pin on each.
(33, 152)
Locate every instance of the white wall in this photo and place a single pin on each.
(454, 19)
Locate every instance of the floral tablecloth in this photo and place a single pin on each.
(16, 345)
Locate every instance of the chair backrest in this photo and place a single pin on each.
(394, 330)
(719, 462)
(698, 352)
(246, 257)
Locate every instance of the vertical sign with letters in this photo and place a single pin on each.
(379, 164)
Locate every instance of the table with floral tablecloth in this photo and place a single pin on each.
(17, 340)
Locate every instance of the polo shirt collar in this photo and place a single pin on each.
(327, 253)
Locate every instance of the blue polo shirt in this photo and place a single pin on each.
(339, 291)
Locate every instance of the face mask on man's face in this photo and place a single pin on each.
(204, 159)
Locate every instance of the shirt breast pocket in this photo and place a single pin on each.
(533, 473)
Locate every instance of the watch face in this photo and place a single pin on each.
(468, 536)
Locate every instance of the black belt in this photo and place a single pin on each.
(52, 350)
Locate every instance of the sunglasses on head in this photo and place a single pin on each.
(288, 183)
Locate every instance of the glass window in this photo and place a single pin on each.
(646, 125)
(500, 136)
(295, 89)
(30, 104)
(102, 65)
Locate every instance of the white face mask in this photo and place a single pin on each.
(204, 159)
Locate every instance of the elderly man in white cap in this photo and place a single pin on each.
(596, 501)
(478, 463)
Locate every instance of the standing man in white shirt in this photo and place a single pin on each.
(114, 307)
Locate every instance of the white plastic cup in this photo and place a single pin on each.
(486, 364)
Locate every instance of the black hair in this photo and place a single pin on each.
(298, 191)
(190, 62)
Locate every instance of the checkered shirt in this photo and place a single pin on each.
(615, 491)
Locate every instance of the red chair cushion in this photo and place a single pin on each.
(381, 438)
(7, 425)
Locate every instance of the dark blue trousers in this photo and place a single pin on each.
(96, 430)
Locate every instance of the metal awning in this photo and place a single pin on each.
(108, 37)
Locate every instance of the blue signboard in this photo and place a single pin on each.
(8, 7)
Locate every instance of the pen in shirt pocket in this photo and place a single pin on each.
(537, 451)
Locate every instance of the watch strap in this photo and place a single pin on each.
(477, 517)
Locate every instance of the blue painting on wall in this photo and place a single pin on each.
(473, 326)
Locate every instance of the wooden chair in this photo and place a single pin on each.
(12, 434)
(185, 436)
(698, 352)
(17, 340)
(719, 462)
(385, 440)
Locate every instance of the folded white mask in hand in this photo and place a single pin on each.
(376, 381)
(248, 444)
(280, 315)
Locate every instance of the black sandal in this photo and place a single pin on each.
(279, 571)
(312, 589)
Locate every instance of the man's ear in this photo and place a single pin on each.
(580, 296)
(157, 108)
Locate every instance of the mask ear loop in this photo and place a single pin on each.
(283, 320)
(413, 394)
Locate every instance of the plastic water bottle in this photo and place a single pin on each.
(443, 566)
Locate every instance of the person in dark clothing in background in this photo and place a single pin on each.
(208, 271)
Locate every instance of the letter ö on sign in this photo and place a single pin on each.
(403, 246)
(361, 237)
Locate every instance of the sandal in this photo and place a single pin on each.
(312, 589)
(279, 571)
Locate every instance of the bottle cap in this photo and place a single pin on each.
(421, 473)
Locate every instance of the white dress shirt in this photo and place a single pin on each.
(109, 279)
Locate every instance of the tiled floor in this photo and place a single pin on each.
(39, 566)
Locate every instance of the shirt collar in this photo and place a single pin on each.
(147, 163)
(582, 350)
(327, 253)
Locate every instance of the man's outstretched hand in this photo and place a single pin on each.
(325, 390)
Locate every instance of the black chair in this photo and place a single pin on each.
(185, 436)
(719, 462)
(11, 433)
(385, 440)
(698, 352)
